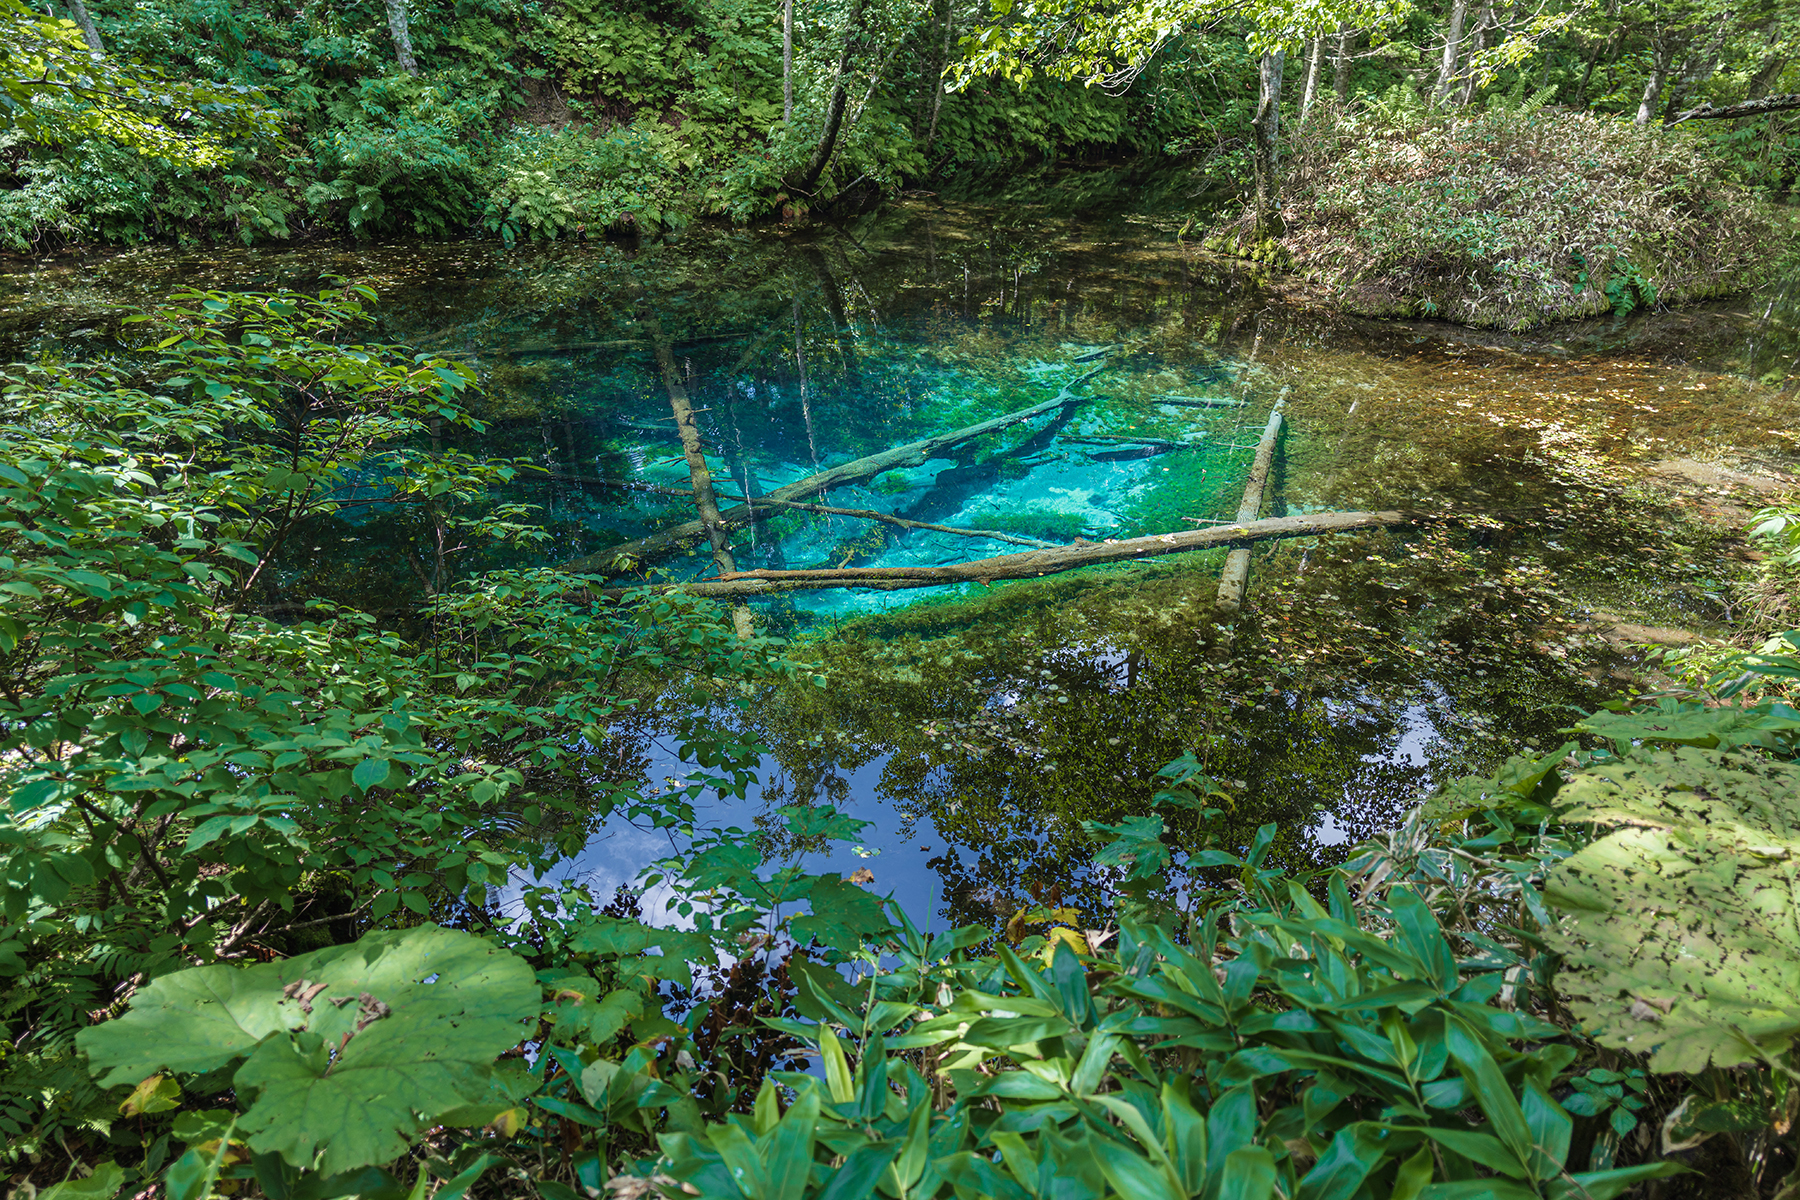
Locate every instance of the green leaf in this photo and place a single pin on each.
(103, 1184)
(1550, 1128)
(612, 1013)
(369, 773)
(1604, 1185)
(1679, 939)
(1354, 1152)
(1492, 1092)
(857, 1178)
(842, 915)
(405, 1028)
(837, 1068)
(1249, 1174)
(1413, 1175)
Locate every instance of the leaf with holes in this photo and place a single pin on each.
(352, 1050)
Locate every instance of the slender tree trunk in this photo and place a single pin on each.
(1265, 129)
(1315, 57)
(1662, 53)
(937, 99)
(89, 34)
(1453, 36)
(787, 62)
(1765, 76)
(1346, 41)
(1696, 71)
(808, 178)
(1477, 43)
(403, 48)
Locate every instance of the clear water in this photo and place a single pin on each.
(978, 728)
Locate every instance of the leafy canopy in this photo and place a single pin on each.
(54, 90)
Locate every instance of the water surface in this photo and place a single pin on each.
(979, 728)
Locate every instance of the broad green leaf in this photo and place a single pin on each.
(1683, 935)
(1413, 1175)
(103, 1184)
(837, 1068)
(1249, 1174)
(842, 915)
(1492, 1092)
(857, 1177)
(1355, 1151)
(404, 1028)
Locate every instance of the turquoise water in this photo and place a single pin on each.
(978, 728)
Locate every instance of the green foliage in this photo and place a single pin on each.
(1681, 932)
(349, 1051)
(1514, 215)
(545, 184)
(183, 774)
(53, 90)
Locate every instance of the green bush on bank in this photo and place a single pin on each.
(1516, 215)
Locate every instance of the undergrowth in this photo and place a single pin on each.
(1517, 214)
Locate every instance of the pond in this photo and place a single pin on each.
(979, 728)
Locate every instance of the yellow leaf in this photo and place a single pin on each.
(508, 1123)
(156, 1094)
(1063, 934)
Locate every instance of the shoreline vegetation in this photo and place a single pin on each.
(1493, 169)
(1513, 216)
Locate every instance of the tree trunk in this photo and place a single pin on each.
(1749, 108)
(1265, 128)
(705, 502)
(1346, 41)
(89, 34)
(1315, 56)
(1477, 43)
(1696, 71)
(1035, 564)
(403, 50)
(808, 179)
(925, 125)
(787, 62)
(1236, 575)
(1662, 53)
(1453, 35)
(1765, 76)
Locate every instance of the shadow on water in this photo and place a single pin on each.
(979, 728)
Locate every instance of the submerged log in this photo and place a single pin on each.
(705, 502)
(1034, 564)
(869, 514)
(665, 542)
(1236, 575)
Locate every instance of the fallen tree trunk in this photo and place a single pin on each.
(634, 555)
(1034, 564)
(705, 503)
(1236, 575)
(1749, 108)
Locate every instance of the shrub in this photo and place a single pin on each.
(1516, 215)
